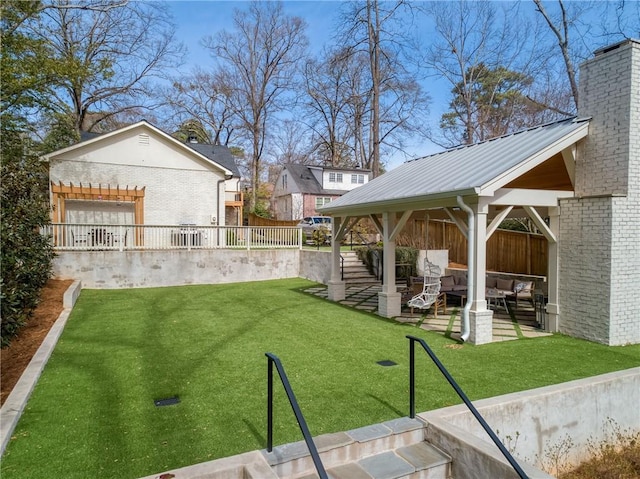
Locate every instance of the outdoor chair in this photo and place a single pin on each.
(430, 288)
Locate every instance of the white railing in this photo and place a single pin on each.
(91, 237)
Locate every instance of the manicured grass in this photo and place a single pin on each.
(93, 415)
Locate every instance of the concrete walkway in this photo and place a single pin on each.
(516, 323)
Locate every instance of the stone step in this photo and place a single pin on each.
(371, 452)
(355, 271)
(416, 461)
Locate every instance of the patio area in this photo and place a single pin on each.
(514, 323)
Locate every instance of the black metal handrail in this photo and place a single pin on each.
(463, 396)
(273, 359)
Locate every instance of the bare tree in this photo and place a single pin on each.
(576, 35)
(327, 103)
(561, 32)
(475, 39)
(395, 102)
(107, 51)
(259, 58)
(205, 96)
(290, 143)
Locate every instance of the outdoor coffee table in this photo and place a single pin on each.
(498, 298)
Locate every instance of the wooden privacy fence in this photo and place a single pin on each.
(255, 220)
(507, 251)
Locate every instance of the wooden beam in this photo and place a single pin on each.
(542, 226)
(569, 157)
(499, 218)
(460, 223)
(377, 224)
(400, 224)
(523, 197)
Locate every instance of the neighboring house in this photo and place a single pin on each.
(300, 189)
(142, 175)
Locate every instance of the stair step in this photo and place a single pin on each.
(420, 460)
(355, 271)
(386, 465)
(423, 456)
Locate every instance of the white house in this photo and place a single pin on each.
(141, 175)
(300, 189)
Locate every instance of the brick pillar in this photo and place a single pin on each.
(599, 247)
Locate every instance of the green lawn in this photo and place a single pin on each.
(93, 415)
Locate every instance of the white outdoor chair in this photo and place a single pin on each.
(430, 287)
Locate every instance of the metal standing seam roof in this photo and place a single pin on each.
(460, 170)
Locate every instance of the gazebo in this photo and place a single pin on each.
(477, 186)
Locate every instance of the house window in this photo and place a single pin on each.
(284, 181)
(335, 177)
(357, 179)
(321, 201)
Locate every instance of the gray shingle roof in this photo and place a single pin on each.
(307, 183)
(461, 170)
(218, 154)
(305, 180)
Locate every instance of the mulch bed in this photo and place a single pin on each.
(16, 357)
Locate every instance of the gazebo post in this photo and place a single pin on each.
(553, 309)
(480, 318)
(336, 287)
(389, 300)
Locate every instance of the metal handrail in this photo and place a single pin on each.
(273, 359)
(374, 253)
(463, 396)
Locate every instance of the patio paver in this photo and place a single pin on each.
(365, 298)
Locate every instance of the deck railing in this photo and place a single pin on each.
(90, 237)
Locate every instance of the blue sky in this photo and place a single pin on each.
(197, 19)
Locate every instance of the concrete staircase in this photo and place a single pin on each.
(392, 450)
(355, 271)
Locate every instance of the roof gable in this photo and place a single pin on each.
(141, 128)
(478, 169)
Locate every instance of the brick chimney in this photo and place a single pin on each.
(599, 241)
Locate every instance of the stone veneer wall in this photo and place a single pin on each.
(600, 228)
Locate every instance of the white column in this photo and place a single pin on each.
(388, 299)
(480, 318)
(336, 287)
(553, 308)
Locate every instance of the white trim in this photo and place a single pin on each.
(522, 197)
(539, 157)
(569, 157)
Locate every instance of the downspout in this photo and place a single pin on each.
(471, 268)
(219, 202)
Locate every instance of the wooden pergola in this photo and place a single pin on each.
(61, 193)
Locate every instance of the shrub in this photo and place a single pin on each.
(404, 254)
(26, 254)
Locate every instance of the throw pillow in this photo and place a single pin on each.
(447, 281)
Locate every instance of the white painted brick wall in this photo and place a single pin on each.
(600, 230)
(172, 196)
